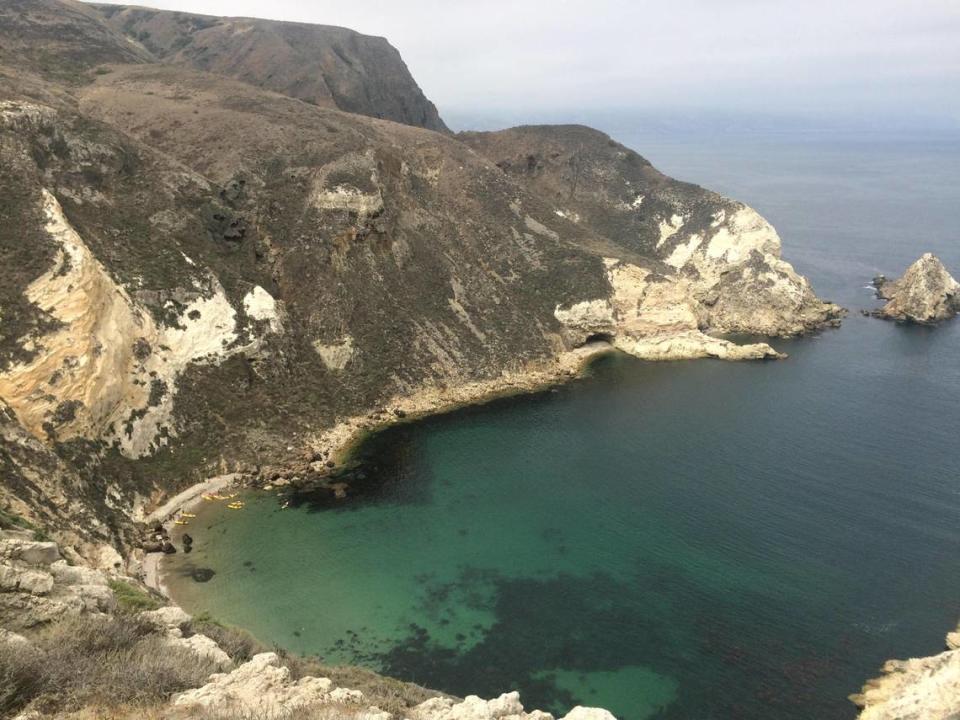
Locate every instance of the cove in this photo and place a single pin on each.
(683, 540)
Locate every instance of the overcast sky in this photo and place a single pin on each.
(536, 58)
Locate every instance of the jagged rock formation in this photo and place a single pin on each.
(323, 65)
(264, 686)
(926, 294)
(917, 689)
(38, 586)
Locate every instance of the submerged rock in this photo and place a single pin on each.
(926, 294)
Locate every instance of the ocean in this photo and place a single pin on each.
(683, 540)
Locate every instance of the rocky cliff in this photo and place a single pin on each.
(926, 293)
(322, 65)
(209, 264)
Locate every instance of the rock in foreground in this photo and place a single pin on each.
(926, 294)
(918, 689)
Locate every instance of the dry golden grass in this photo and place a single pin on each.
(121, 668)
(95, 660)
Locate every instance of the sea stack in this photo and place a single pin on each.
(926, 294)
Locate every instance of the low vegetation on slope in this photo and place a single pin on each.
(96, 661)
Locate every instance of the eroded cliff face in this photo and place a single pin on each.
(724, 255)
(926, 293)
(652, 317)
(109, 370)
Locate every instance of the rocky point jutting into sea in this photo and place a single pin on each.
(233, 246)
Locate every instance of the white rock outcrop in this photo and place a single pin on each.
(737, 278)
(258, 304)
(652, 317)
(170, 619)
(37, 586)
(588, 713)
(263, 687)
(917, 689)
(926, 294)
(109, 370)
(505, 707)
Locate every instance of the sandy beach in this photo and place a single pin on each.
(181, 502)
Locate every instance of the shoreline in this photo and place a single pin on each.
(338, 442)
(181, 502)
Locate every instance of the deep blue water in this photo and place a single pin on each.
(686, 540)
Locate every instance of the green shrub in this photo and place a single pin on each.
(133, 599)
(239, 644)
(10, 520)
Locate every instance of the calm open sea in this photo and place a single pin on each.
(688, 540)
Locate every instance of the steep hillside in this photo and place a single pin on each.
(323, 65)
(60, 39)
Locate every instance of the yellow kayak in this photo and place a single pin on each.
(187, 515)
(235, 506)
(180, 522)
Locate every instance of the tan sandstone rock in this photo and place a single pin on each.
(505, 707)
(926, 294)
(262, 686)
(37, 587)
(917, 689)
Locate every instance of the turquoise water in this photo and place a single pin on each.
(685, 540)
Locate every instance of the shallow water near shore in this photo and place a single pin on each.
(685, 540)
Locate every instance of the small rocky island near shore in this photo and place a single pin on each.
(926, 294)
